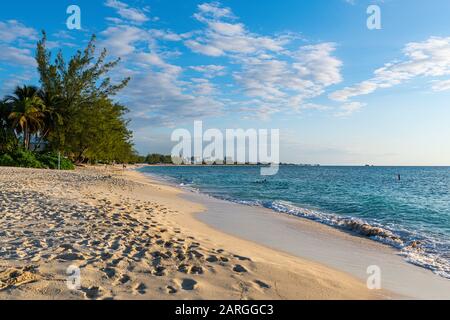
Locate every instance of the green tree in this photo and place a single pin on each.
(7, 137)
(157, 158)
(53, 120)
(27, 112)
(86, 125)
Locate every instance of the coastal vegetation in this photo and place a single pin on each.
(156, 158)
(70, 118)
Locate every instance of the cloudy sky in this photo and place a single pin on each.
(339, 92)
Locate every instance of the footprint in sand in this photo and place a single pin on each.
(124, 278)
(168, 244)
(196, 270)
(109, 272)
(241, 258)
(92, 292)
(239, 269)
(188, 284)
(171, 290)
(159, 271)
(70, 256)
(212, 259)
(183, 268)
(141, 288)
(181, 256)
(261, 284)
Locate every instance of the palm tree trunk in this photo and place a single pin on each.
(25, 137)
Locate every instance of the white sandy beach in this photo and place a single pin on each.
(134, 238)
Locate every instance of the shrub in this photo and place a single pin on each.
(28, 159)
(6, 160)
(50, 161)
(25, 159)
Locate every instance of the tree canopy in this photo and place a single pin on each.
(73, 111)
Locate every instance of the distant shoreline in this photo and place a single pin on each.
(295, 165)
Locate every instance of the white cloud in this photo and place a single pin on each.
(223, 37)
(289, 84)
(121, 40)
(17, 56)
(17, 63)
(215, 10)
(430, 58)
(16, 40)
(349, 108)
(317, 62)
(227, 29)
(152, 59)
(167, 35)
(273, 76)
(7, 87)
(12, 30)
(314, 106)
(439, 86)
(126, 12)
(204, 48)
(157, 93)
(63, 34)
(160, 98)
(210, 71)
(203, 87)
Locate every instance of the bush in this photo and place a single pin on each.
(50, 161)
(25, 159)
(6, 160)
(28, 159)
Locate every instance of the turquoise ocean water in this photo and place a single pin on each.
(411, 214)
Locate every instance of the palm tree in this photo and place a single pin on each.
(5, 110)
(28, 112)
(53, 118)
(6, 133)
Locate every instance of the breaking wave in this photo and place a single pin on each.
(417, 249)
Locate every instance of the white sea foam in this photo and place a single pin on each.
(414, 251)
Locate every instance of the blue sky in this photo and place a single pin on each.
(339, 92)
